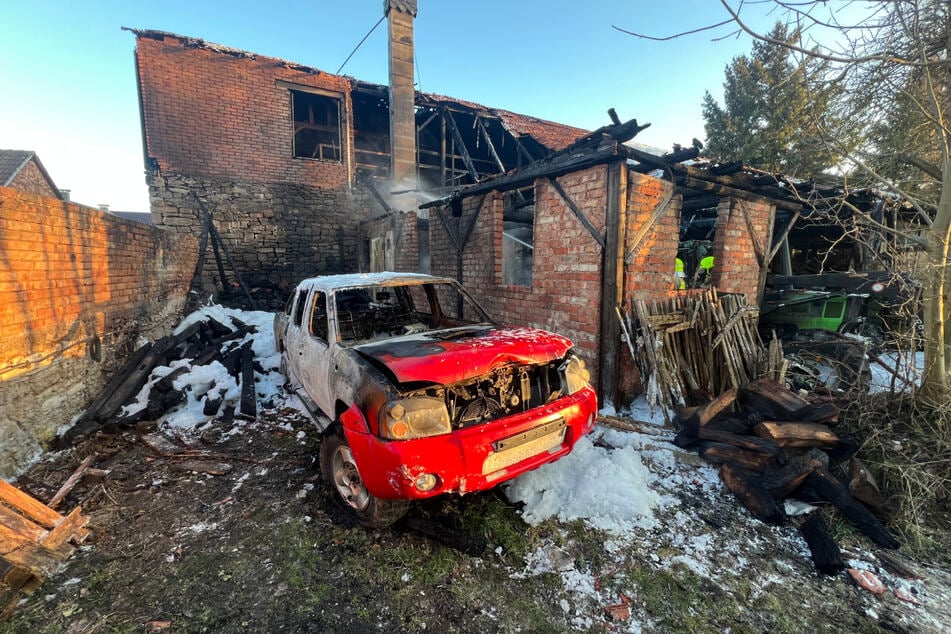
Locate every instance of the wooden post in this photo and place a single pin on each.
(612, 281)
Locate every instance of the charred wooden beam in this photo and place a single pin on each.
(752, 494)
(827, 486)
(723, 169)
(249, 402)
(576, 210)
(825, 552)
(790, 434)
(457, 136)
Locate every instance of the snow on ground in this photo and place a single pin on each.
(908, 365)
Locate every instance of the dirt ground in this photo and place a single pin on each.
(262, 548)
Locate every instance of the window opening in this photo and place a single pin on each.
(299, 310)
(518, 237)
(318, 318)
(316, 126)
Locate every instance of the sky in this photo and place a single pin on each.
(68, 76)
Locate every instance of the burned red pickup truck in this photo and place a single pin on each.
(418, 392)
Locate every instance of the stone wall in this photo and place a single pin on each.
(218, 127)
(276, 233)
(79, 288)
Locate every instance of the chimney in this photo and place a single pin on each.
(400, 14)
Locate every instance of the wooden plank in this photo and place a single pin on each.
(71, 529)
(457, 137)
(21, 525)
(161, 445)
(32, 508)
(796, 434)
(249, 401)
(612, 286)
(26, 553)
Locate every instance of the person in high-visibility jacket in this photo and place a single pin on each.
(706, 269)
(680, 278)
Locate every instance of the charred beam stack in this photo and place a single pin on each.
(772, 444)
(691, 347)
(200, 343)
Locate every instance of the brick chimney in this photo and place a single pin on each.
(400, 14)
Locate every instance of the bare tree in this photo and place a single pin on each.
(894, 60)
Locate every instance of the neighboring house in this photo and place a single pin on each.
(23, 171)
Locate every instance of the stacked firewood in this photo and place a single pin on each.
(700, 344)
(772, 444)
(200, 343)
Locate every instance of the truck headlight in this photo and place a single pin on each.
(575, 374)
(414, 418)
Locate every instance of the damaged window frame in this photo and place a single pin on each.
(326, 99)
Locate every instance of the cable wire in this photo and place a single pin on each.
(370, 32)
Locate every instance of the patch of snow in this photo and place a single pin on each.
(909, 369)
(608, 489)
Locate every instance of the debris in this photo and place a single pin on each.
(71, 482)
(35, 541)
(750, 491)
(161, 445)
(905, 596)
(618, 611)
(892, 562)
(865, 579)
(203, 466)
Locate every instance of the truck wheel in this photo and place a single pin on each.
(339, 471)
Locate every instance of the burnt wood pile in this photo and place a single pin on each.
(199, 343)
(772, 444)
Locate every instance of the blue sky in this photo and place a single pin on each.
(68, 75)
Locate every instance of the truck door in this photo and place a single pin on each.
(314, 354)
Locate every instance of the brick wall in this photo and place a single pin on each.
(736, 268)
(31, 180)
(78, 289)
(400, 235)
(566, 279)
(650, 264)
(209, 112)
(218, 125)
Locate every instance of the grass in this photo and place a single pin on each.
(906, 443)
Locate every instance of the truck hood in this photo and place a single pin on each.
(457, 354)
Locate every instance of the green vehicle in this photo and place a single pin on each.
(789, 313)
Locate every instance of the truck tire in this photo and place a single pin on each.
(339, 471)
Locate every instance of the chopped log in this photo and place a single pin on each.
(796, 434)
(825, 552)
(863, 488)
(773, 400)
(820, 413)
(71, 482)
(29, 507)
(760, 445)
(752, 494)
(741, 423)
(722, 453)
(212, 403)
(714, 408)
(781, 480)
(249, 402)
(842, 451)
(832, 490)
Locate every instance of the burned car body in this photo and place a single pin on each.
(419, 392)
